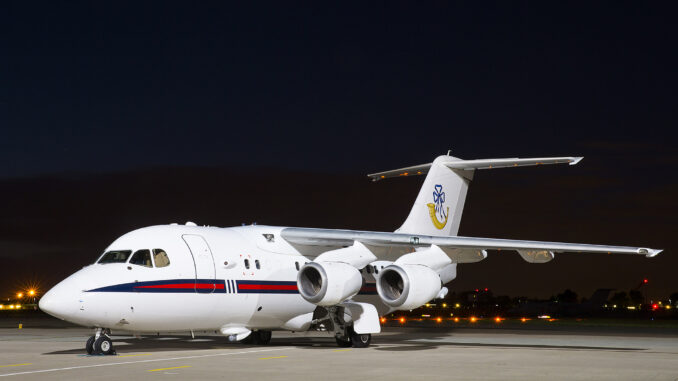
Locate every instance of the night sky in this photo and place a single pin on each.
(117, 115)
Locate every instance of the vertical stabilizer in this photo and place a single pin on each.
(438, 207)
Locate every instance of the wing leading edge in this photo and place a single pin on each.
(331, 238)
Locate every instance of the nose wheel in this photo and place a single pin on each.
(100, 343)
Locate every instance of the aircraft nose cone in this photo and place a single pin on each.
(47, 302)
(53, 304)
(59, 301)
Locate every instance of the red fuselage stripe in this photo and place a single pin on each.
(267, 287)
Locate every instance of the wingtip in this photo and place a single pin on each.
(576, 160)
(650, 252)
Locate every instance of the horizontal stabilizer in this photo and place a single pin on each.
(471, 165)
(514, 162)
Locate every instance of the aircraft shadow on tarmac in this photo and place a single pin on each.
(397, 342)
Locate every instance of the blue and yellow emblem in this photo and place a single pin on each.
(437, 208)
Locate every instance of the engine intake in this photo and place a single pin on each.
(328, 283)
(406, 287)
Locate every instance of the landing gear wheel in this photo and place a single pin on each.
(249, 339)
(261, 337)
(361, 340)
(89, 345)
(343, 342)
(104, 346)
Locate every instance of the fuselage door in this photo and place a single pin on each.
(205, 273)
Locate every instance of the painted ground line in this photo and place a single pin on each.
(6, 366)
(174, 367)
(143, 361)
(271, 358)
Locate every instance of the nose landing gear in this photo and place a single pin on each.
(100, 343)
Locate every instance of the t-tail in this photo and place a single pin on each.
(439, 205)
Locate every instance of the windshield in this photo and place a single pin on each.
(115, 256)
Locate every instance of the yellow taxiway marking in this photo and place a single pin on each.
(140, 354)
(341, 350)
(5, 366)
(174, 367)
(271, 358)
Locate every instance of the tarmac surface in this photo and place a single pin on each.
(399, 353)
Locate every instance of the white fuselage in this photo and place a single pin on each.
(217, 278)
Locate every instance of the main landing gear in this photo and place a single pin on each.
(100, 343)
(353, 339)
(344, 334)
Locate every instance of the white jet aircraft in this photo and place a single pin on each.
(247, 281)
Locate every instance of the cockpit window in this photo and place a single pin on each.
(115, 256)
(160, 257)
(142, 258)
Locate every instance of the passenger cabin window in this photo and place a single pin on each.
(256, 263)
(247, 263)
(160, 258)
(142, 258)
(115, 256)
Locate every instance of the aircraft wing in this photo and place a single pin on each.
(389, 246)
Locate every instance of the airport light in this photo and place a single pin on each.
(456, 320)
(11, 306)
(523, 320)
(31, 292)
(444, 305)
(655, 307)
(2, 306)
(402, 320)
(383, 320)
(439, 320)
(668, 307)
(17, 306)
(497, 319)
(473, 319)
(20, 295)
(457, 305)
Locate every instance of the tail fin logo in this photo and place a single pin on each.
(437, 208)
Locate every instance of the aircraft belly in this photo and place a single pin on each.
(276, 309)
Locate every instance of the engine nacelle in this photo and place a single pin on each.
(406, 287)
(328, 283)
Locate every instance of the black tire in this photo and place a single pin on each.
(104, 346)
(261, 337)
(343, 342)
(361, 340)
(249, 339)
(89, 345)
